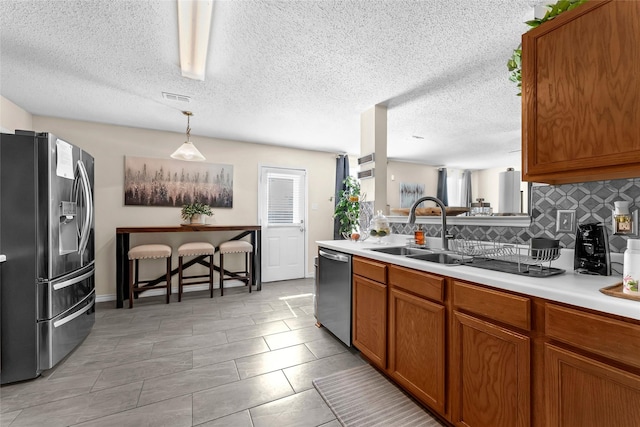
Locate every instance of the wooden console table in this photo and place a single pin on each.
(123, 240)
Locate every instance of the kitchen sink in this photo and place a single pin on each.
(441, 258)
(402, 250)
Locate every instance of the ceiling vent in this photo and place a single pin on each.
(175, 97)
(365, 174)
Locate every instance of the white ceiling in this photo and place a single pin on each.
(290, 73)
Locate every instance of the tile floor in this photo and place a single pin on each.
(238, 360)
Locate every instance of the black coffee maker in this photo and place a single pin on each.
(592, 250)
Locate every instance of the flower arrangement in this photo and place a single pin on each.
(630, 284)
(515, 62)
(192, 209)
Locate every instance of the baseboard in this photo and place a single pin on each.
(174, 290)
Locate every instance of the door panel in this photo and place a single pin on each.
(583, 392)
(282, 216)
(491, 374)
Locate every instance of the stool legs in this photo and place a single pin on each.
(168, 279)
(211, 275)
(247, 268)
(248, 271)
(179, 279)
(221, 274)
(134, 280)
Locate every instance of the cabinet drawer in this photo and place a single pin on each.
(420, 283)
(611, 338)
(370, 269)
(506, 308)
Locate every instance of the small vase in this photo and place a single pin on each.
(197, 219)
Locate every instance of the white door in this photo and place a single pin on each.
(282, 216)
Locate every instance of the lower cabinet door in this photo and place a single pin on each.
(370, 319)
(582, 392)
(417, 347)
(490, 373)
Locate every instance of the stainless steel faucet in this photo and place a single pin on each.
(443, 217)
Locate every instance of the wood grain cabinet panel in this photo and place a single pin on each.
(370, 269)
(500, 306)
(423, 284)
(370, 319)
(580, 86)
(491, 375)
(601, 335)
(417, 347)
(582, 392)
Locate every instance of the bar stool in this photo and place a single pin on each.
(236, 247)
(195, 249)
(148, 252)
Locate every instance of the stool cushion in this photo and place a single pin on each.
(235, 246)
(150, 251)
(195, 249)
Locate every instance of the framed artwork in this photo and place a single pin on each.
(565, 221)
(168, 182)
(409, 193)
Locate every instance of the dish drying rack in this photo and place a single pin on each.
(525, 258)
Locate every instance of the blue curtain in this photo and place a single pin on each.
(466, 189)
(342, 172)
(442, 186)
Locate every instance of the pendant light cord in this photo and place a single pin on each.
(188, 128)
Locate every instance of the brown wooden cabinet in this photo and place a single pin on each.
(583, 392)
(370, 310)
(595, 380)
(417, 335)
(581, 95)
(483, 357)
(490, 363)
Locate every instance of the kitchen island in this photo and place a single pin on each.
(485, 348)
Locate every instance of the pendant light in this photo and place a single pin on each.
(187, 151)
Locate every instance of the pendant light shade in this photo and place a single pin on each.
(187, 151)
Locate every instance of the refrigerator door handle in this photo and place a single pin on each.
(69, 318)
(73, 281)
(86, 225)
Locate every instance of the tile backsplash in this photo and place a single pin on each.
(591, 201)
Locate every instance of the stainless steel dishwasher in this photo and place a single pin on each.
(333, 293)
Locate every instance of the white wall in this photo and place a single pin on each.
(110, 144)
(13, 117)
(410, 173)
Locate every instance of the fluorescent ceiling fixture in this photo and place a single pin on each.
(194, 26)
(187, 151)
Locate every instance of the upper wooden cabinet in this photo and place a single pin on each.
(581, 95)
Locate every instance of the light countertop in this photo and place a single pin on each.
(570, 288)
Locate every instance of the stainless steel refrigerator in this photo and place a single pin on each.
(47, 296)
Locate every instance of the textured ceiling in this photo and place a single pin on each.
(291, 73)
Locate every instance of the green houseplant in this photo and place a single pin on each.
(514, 63)
(193, 212)
(348, 208)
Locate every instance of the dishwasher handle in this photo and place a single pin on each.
(334, 257)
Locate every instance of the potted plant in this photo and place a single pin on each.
(193, 212)
(348, 208)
